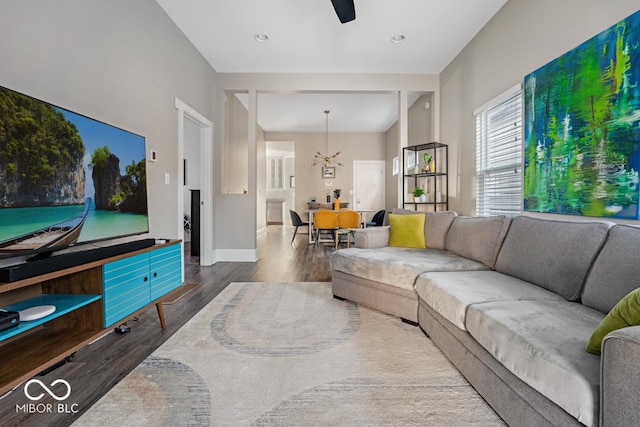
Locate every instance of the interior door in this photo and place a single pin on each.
(368, 185)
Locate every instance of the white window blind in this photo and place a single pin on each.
(499, 155)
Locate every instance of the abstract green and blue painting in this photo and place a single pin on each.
(582, 128)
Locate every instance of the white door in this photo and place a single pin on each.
(368, 185)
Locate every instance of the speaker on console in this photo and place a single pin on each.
(61, 261)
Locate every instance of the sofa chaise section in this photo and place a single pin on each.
(383, 277)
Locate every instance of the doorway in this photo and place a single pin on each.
(197, 131)
(280, 181)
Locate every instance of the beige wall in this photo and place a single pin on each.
(239, 230)
(392, 181)
(420, 130)
(119, 61)
(309, 182)
(522, 37)
(234, 171)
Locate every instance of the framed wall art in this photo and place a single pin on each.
(582, 128)
(328, 172)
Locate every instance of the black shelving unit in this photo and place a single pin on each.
(433, 182)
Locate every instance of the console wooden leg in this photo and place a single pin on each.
(161, 315)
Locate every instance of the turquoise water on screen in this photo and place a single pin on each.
(98, 225)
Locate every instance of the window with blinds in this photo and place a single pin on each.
(499, 155)
(275, 173)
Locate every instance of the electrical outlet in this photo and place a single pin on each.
(167, 178)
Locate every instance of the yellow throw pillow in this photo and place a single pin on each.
(625, 313)
(407, 231)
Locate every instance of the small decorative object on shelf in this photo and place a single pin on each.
(429, 165)
(417, 194)
(431, 176)
(336, 196)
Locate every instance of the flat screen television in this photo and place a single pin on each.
(66, 179)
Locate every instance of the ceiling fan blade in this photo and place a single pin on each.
(345, 10)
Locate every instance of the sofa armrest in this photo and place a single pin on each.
(374, 237)
(620, 378)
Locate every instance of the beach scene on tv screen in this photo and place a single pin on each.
(66, 174)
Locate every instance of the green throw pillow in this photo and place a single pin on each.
(407, 231)
(625, 313)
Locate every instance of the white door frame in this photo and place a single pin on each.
(206, 177)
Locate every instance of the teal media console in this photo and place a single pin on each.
(90, 299)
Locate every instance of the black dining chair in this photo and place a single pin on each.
(297, 222)
(377, 220)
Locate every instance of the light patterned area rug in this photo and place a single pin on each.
(290, 354)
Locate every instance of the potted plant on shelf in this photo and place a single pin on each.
(429, 165)
(417, 193)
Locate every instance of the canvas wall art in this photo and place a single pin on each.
(582, 128)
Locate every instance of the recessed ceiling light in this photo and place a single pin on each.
(262, 38)
(399, 38)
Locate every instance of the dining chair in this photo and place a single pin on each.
(377, 220)
(297, 222)
(348, 221)
(325, 221)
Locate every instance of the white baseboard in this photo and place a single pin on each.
(235, 255)
(261, 232)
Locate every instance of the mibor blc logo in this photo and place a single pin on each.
(36, 390)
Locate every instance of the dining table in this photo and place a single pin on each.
(310, 212)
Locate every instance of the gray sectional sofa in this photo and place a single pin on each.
(512, 303)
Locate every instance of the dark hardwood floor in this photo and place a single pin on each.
(99, 366)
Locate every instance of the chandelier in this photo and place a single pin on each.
(325, 158)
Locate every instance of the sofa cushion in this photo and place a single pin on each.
(406, 231)
(451, 293)
(555, 255)
(436, 226)
(542, 343)
(398, 266)
(478, 238)
(615, 271)
(625, 313)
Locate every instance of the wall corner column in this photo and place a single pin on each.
(403, 140)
